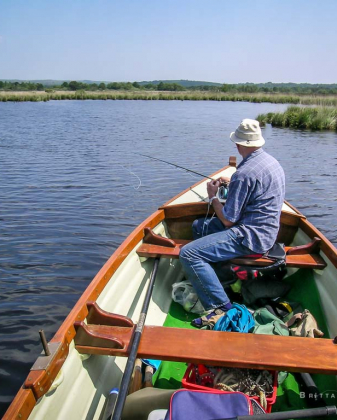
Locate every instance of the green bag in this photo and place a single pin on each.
(267, 323)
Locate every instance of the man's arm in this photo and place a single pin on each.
(212, 188)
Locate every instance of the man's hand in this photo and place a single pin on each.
(212, 188)
(224, 180)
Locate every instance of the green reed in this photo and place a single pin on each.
(318, 118)
(169, 96)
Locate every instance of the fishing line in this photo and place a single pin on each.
(132, 173)
(205, 221)
(200, 196)
(193, 176)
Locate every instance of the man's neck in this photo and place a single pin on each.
(246, 151)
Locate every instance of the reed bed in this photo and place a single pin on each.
(37, 96)
(318, 118)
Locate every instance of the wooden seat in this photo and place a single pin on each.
(305, 256)
(294, 354)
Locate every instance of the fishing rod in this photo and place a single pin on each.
(222, 191)
(173, 164)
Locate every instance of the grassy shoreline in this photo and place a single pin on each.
(318, 118)
(38, 96)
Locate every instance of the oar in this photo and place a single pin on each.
(293, 414)
(123, 390)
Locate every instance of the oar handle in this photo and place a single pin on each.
(110, 403)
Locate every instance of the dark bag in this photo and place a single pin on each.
(265, 287)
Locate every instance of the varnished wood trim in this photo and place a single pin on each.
(200, 209)
(154, 239)
(313, 261)
(311, 248)
(259, 351)
(182, 210)
(103, 336)
(97, 315)
(326, 246)
(21, 406)
(41, 380)
(232, 161)
(154, 251)
(290, 219)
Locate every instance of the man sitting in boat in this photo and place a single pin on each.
(247, 223)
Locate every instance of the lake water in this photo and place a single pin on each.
(73, 186)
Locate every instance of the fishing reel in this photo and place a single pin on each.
(222, 192)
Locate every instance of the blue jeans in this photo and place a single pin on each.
(197, 257)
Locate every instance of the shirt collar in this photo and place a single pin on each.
(251, 156)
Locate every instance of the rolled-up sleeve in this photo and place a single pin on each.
(235, 203)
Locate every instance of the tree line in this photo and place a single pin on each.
(74, 85)
(283, 88)
(23, 86)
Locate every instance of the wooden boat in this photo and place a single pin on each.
(89, 351)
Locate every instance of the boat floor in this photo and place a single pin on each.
(304, 291)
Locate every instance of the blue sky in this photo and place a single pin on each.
(227, 41)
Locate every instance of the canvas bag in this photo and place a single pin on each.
(204, 405)
(267, 323)
(304, 325)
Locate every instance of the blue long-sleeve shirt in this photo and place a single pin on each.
(255, 198)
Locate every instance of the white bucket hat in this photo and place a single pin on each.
(248, 134)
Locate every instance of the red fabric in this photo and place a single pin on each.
(253, 256)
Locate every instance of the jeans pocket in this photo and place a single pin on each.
(239, 235)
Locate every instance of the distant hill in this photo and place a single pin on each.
(49, 82)
(291, 85)
(185, 83)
